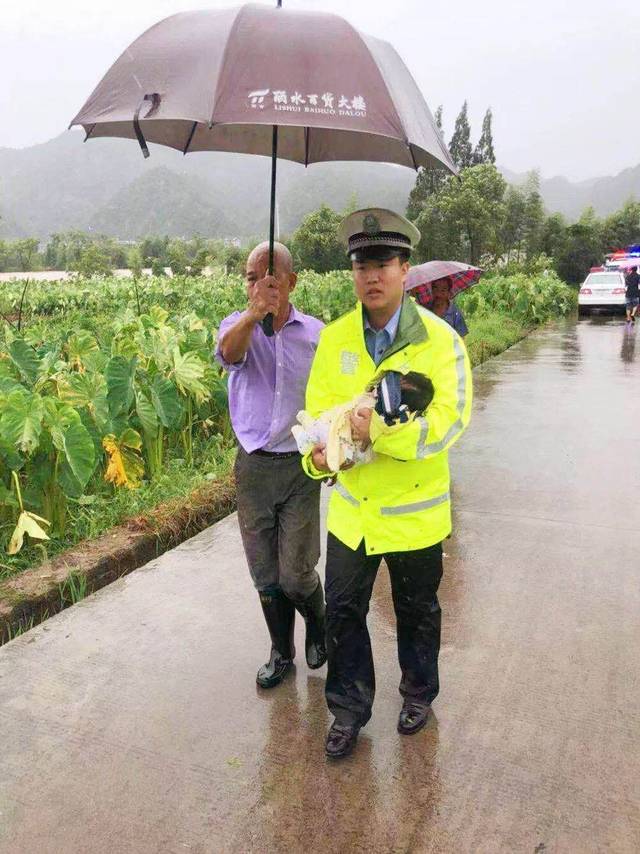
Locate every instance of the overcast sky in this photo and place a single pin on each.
(562, 78)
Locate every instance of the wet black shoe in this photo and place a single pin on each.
(313, 611)
(413, 717)
(341, 740)
(273, 672)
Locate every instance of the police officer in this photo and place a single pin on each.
(397, 506)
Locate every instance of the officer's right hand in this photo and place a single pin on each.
(264, 298)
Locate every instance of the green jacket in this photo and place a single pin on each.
(400, 500)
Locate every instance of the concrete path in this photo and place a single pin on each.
(131, 722)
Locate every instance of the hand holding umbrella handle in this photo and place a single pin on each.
(267, 320)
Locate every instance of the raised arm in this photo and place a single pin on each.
(236, 339)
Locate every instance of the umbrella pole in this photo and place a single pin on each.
(272, 218)
(267, 323)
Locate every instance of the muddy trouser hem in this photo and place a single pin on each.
(279, 519)
(350, 575)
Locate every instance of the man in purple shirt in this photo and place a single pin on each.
(278, 505)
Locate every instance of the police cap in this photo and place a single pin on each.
(377, 233)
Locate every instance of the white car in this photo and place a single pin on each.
(602, 290)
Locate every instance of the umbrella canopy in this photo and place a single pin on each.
(461, 276)
(220, 79)
(304, 86)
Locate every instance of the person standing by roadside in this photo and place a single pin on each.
(444, 306)
(278, 506)
(632, 294)
(397, 506)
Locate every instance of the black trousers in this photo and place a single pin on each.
(415, 577)
(279, 517)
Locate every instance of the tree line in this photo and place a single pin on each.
(90, 254)
(479, 218)
(475, 217)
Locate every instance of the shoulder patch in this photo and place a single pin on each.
(349, 362)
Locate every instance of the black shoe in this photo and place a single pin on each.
(341, 739)
(312, 609)
(413, 717)
(280, 614)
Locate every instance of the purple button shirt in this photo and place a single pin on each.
(266, 389)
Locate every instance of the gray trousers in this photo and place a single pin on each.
(279, 516)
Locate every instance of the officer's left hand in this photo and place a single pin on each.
(361, 425)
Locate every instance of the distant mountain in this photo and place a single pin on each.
(163, 202)
(65, 184)
(106, 185)
(606, 195)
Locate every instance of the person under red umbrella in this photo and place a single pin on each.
(443, 305)
(434, 285)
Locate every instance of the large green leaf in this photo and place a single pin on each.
(58, 417)
(21, 420)
(79, 451)
(166, 402)
(25, 359)
(47, 364)
(79, 457)
(86, 390)
(9, 456)
(9, 384)
(157, 315)
(119, 375)
(188, 370)
(146, 413)
(6, 368)
(158, 346)
(80, 347)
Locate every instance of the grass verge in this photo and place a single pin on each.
(493, 334)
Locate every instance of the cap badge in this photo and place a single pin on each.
(371, 224)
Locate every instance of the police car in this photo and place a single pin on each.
(604, 288)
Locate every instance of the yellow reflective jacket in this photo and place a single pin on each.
(399, 501)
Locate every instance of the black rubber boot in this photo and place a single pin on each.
(312, 609)
(279, 613)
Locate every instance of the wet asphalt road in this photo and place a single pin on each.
(130, 723)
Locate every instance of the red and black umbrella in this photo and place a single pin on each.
(420, 278)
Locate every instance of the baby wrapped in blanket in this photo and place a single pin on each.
(395, 397)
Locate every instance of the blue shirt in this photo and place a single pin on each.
(378, 341)
(455, 318)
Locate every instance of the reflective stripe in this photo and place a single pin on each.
(422, 438)
(461, 393)
(415, 508)
(346, 495)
